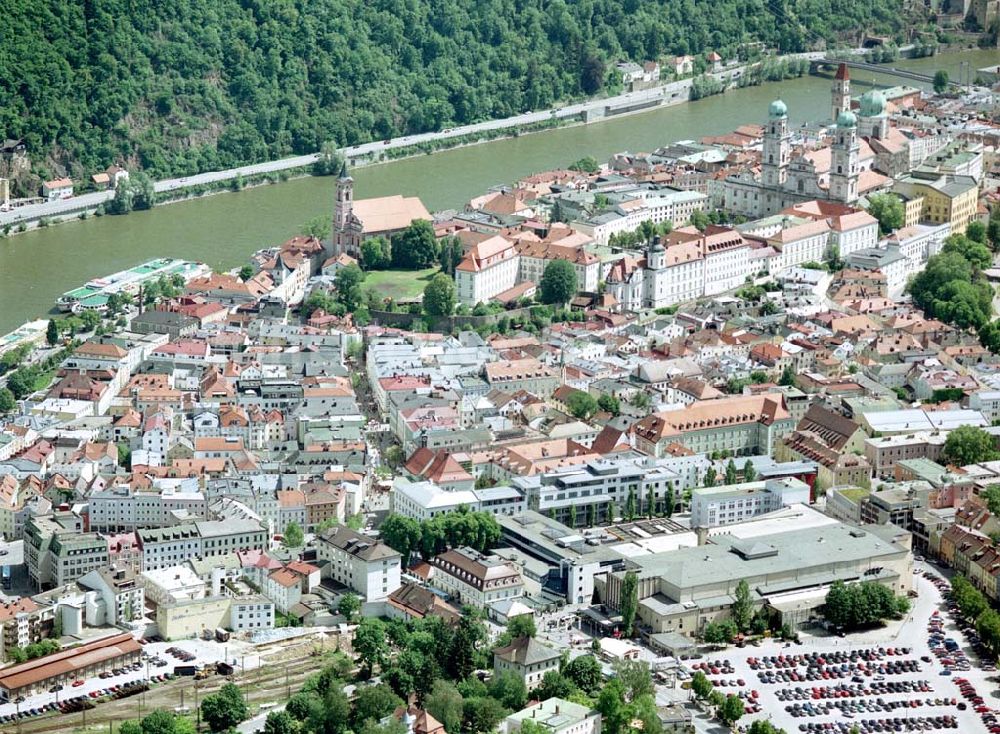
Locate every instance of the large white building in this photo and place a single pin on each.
(367, 566)
(121, 508)
(497, 264)
(489, 268)
(170, 546)
(652, 205)
(424, 500)
(607, 481)
(734, 503)
(476, 579)
(558, 716)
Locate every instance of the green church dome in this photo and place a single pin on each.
(777, 109)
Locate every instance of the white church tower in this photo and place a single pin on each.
(774, 163)
(844, 164)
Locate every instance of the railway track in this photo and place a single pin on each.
(273, 681)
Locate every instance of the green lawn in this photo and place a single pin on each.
(854, 494)
(399, 283)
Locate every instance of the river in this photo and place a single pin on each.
(222, 230)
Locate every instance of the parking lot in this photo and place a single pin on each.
(897, 679)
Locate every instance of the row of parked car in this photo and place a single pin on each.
(181, 654)
(850, 707)
(843, 690)
(870, 726)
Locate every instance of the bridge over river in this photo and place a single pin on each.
(915, 76)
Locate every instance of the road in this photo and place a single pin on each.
(76, 204)
(73, 205)
(256, 724)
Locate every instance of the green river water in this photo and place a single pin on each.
(222, 230)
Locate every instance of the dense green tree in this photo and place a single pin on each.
(21, 383)
(470, 633)
(970, 600)
(581, 404)
(988, 628)
(629, 601)
(415, 247)
(940, 81)
(710, 477)
(481, 715)
(993, 231)
(731, 710)
(731, 473)
(246, 272)
(348, 282)
(373, 702)
(969, 445)
(52, 333)
(858, 605)
(587, 164)
(991, 495)
(701, 686)
(509, 689)
(304, 705)
(402, 534)
(888, 209)
(742, 609)
(609, 404)
(975, 252)
(630, 505)
(700, 220)
(976, 231)
(293, 536)
(280, 722)
(376, 253)
(370, 643)
(615, 711)
(159, 722)
(224, 710)
(719, 633)
(349, 605)
(444, 703)
(329, 162)
(7, 401)
(521, 625)
(318, 227)
(177, 88)
(952, 288)
(333, 715)
(636, 676)
(554, 685)
(585, 673)
(439, 296)
(559, 282)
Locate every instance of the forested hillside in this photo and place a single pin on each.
(180, 86)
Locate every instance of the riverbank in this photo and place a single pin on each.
(598, 109)
(223, 231)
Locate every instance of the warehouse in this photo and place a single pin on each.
(65, 666)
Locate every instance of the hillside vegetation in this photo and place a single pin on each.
(181, 86)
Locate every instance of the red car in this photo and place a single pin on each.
(77, 683)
